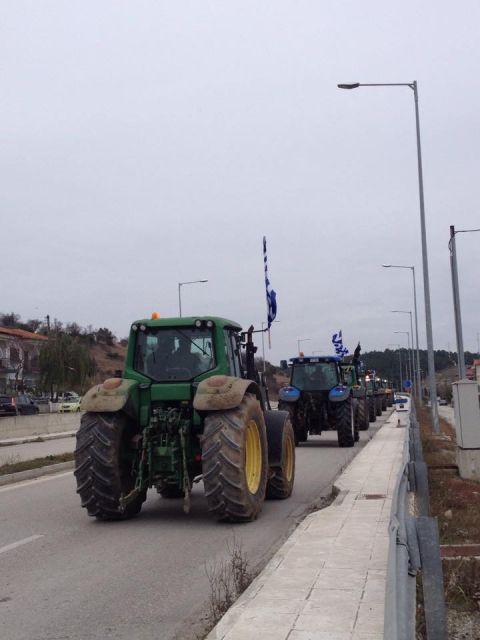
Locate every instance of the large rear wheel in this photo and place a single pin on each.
(372, 413)
(234, 460)
(378, 405)
(345, 421)
(103, 466)
(281, 455)
(384, 402)
(363, 419)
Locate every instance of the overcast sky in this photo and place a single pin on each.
(149, 143)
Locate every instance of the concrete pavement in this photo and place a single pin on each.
(327, 582)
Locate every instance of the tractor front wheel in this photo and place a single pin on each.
(281, 455)
(345, 421)
(103, 467)
(234, 461)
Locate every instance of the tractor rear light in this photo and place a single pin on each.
(216, 381)
(112, 383)
(209, 324)
(198, 458)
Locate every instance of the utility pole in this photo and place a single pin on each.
(48, 333)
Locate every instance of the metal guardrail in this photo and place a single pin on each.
(414, 546)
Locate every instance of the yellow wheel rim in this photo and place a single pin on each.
(253, 457)
(289, 460)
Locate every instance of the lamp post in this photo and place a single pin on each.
(395, 344)
(419, 379)
(412, 353)
(180, 285)
(263, 343)
(462, 373)
(408, 364)
(302, 340)
(426, 283)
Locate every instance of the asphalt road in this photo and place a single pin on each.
(31, 450)
(64, 576)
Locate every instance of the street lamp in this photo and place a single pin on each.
(408, 366)
(395, 344)
(263, 343)
(302, 340)
(180, 284)
(412, 353)
(401, 266)
(462, 373)
(426, 283)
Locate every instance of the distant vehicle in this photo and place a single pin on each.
(21, 406)
(70, 405)
(8, 406)
(27, 406)
(442, 402)
(401, 404)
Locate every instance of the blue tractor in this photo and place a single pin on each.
(318, 399)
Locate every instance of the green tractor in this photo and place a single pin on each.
(188, 407)
(374, 396)
(353, 378)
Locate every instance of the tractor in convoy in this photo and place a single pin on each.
(189, 406)
(318, 398)
(352, 376)
(374, 394)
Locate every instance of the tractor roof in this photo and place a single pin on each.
(188, 322)
(306, 359)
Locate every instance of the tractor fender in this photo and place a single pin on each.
(114, 394)
(289, 394)
(339, 393)
(219, 393)
(358, 391)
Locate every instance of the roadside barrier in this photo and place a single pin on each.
(414, 546)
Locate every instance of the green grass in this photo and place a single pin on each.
(25, 465)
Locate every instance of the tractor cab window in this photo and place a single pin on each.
(314, 376)
(348, 376)
(168, 355)
(232, 353)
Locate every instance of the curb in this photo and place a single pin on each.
(33, 474)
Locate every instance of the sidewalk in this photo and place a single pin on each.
(327, 582)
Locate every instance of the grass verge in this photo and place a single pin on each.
(14, 466)
(455, 503)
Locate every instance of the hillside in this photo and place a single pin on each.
(108, 359)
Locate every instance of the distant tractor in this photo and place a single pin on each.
(352, 376)
(188, 408)
(374, 396)
(318, 399)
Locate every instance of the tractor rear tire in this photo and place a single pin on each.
(281, 455)
(372, 413)
(389, 399)
(234, 460)
(363, 419)
(300, 435)
(384, 402)
(102, 476)
(345, 421)
(378, 405)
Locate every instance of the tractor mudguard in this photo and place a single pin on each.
(113, 395)
(358, 391)
(289, 394)
(339, 393)
(219, 393)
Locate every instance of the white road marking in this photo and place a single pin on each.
(14, 545)
(28, 483)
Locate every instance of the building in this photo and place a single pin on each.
(19, 351)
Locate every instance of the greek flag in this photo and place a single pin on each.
(337, 340)
(271, 295)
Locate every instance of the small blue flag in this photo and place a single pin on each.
(337, 340)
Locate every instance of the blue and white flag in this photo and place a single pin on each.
(271, 295)
(337, 340)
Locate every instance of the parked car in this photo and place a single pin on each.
(442, 402)
(70, 405)
(26, 406)
(8, 406)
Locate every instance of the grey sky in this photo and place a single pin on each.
(148, 143)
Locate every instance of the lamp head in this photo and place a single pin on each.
(352, 85)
